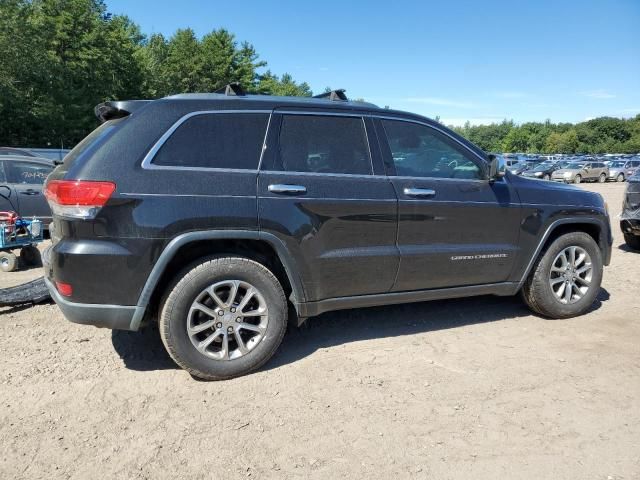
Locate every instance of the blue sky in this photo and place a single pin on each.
(482, 61)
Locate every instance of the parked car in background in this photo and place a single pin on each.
(619, 170)
(630, 216)
(544, 170)
(576, 172)
(519, 168)
(22, 152)
(21, 180)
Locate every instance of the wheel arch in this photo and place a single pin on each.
(592, 226)
(157, 279)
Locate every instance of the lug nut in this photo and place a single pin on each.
(238, 319)
(230, 329)
(220, 312)
(219, 325)
(233, 310)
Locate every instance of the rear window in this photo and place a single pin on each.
(324, 144)
(220, 140)
(91, 140)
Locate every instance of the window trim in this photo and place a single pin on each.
(324, 113)
(483, 169)
(147, 161)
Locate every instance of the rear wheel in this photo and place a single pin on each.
(565, 280)
(602, 178)
(224, 318)
(30, 256)
(578, 179)
(8, 261)
(620, 177)
(632, 241)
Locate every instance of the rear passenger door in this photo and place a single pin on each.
(322, 192)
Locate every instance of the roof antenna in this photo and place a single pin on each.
(233, 89)
(334, 95)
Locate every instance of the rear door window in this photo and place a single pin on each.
(26, 173)
(324, 144)
(215, 140)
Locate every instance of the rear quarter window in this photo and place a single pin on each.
(215, 140)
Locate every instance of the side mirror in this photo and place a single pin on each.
(497, 167)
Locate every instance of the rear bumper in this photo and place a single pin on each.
(117, 317)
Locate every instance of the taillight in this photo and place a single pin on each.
(81, 199)
(64, 288)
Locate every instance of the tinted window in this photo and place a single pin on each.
(91, 140)
(27, 173)
(324, 144)
(220, 140)
(420, 151)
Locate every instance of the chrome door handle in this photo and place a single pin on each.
(29, 192)
(287, 189)
(419, 192)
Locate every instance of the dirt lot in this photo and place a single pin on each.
(473, 388)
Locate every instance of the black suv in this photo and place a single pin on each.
(223, 215)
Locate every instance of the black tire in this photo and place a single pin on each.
(602, 178)
(8, 261)
(546, 177)
(632, 241)
(577, 179)
(537, 292)
(196, 278)
(620, 177)
(30, 256)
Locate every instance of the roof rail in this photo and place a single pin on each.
(334, 95)
(233, 89)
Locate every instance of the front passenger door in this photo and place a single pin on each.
(455, 227)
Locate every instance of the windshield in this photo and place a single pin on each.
(541, 167)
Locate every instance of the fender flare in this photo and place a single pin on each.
(185, 238)
(556, 224)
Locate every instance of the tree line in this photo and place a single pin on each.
(60, 58)
(599, 135)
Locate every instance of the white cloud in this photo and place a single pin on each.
(444, 102)
(599, 94)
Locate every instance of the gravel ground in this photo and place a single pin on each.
(471, 388)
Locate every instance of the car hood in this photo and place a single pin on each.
(551, 193)
(569, 170)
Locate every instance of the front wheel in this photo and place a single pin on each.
(578, 179)
(620, 177)
(565, 280)
(546, 177)
(224, 318)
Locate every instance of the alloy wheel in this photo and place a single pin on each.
(227, 320)
(571, 274)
